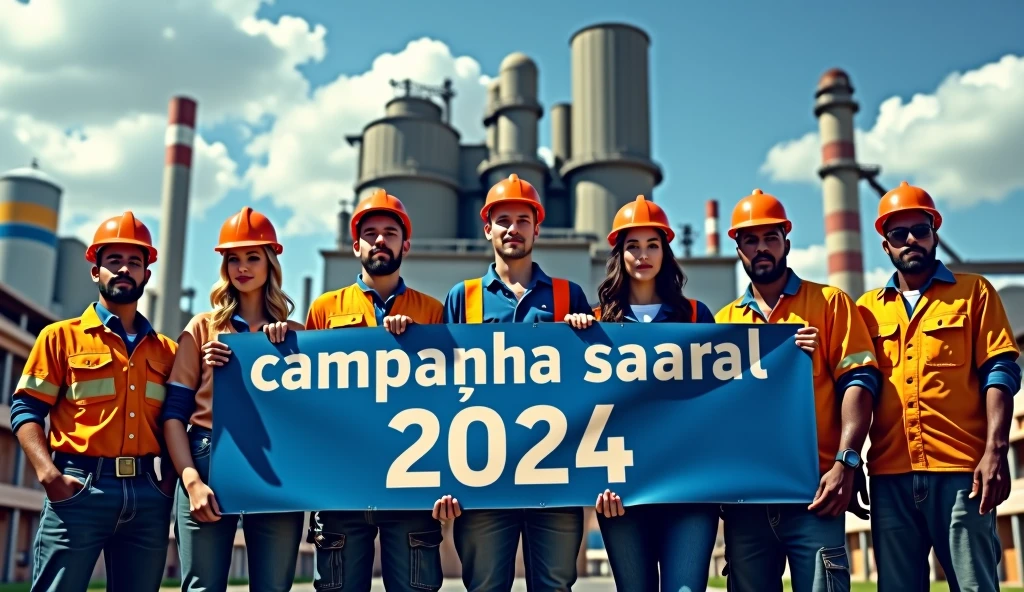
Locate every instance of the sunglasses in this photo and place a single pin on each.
(901, 233)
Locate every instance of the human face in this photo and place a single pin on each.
(121, 273)
(910, 241)
(247, 268)
(380, 245)
(512, 230)
(642, 254)
(763, 251)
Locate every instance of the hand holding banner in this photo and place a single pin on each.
(514, 416)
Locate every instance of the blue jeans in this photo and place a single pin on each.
(487, 541)
(205, 548)
(410, 549)
(760, 538)
(677, 538)
(914, 512)
(127, 518)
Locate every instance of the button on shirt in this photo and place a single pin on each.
(501, 305)
(939, 356)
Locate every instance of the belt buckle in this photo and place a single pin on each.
(125, 466)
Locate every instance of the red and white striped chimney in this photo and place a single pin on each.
(711, 227)
(834, 107)
(178, 142)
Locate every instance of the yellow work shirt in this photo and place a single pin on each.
(104, 402)
(931, 411)
(359, 306)
(844, 356)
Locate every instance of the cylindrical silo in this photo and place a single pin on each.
(834, 107)
(75, 290)
(516, 115)
(611, 140)
(561, 133)
(414, 155)
(490, 121)
(29, 209)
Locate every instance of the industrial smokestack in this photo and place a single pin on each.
(834, 107)
(307, 295)
(177, 176)
(711, 227)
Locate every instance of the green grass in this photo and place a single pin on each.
(869, 586)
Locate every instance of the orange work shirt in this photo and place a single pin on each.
(931, 412)
(844, 357)
(103, 402)
(354, 306)
(189, 370)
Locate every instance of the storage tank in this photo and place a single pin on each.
(414, 155)
(611, 141)
(74, 289)
(490, 123)
(471, 192)
(29, 209)
(561, 133)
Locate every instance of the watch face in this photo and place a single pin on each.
(851, 457)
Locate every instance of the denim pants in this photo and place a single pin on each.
(410, 550)
(760, 538)
(677, 538)
(205, 548)
(127, 518)
(912, 513)
(487, 541)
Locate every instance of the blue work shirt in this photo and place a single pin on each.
(704, 314)
(501, 306)
(381, 307)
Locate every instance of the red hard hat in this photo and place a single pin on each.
(377, 202)
(247, 228)
(125, 229)
(513, 190)
(640, 213)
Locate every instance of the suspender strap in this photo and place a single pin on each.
(561, 294)
(474, 300)
(693, 311)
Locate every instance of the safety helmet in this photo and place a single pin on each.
(378, 202)
(125, 229)
(903, 198)
(513, 190)
(640, 213)
(758, 209)
(247, 228)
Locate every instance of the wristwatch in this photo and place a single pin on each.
(849, 457)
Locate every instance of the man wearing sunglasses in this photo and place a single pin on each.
(937, 460)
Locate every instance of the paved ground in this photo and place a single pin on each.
(584, 585)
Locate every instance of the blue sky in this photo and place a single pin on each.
(728, 82)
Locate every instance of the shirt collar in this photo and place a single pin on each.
(790, 289)
(941, 273)
(97, 315)
(537, 276)
(399, 290)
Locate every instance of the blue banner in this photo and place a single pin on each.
(513, 416)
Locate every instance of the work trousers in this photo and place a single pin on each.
(666, 543)
(205, 549)
(912, 513)
(410, 548)
(127, 518)
(487, 541)
(760, 538)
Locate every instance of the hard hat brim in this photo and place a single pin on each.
(613, 236)
(278, 249)
(539, 209)
(880, 221)
(90, 253)
(786, 224)
(402, 217)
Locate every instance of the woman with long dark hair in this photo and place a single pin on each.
(645, 284)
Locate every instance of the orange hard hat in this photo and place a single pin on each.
(758, 209)
(125, 229)
(381, 201)
(247, 228)
(513, 189)
(906, 197)
(640, 213)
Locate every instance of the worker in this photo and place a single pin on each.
(516, 290)
(410, 540)
(246, 298)
(938, 455)
(670, 543)
(101, 378)
(760, 538)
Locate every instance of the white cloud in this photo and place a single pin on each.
(306, 164)
(963, 142)
(544, 153)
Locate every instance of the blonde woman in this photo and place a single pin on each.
(247, 298)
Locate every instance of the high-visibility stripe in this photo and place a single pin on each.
(856, 359)
(34, 383)
(157, 392)
(91, 388)
(561, 294)
(474, 300)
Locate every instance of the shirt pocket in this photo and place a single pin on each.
(91, 378)
(944, 340)
(356, 319)
(886, 339)
(156, 382)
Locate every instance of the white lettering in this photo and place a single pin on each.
(552, 365)
(697, 353)
(458, 452)
(399, 474)
(754, 347)
(479, 365)
(256, 373)
(603, 367)
(670, 367)
(731, 359)
(343, 360)
(527, 472)
(297, 378)
(436, 367)
(384, 379)
(638, 362)
(518, 360)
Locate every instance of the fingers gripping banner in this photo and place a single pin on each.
(513, 416)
